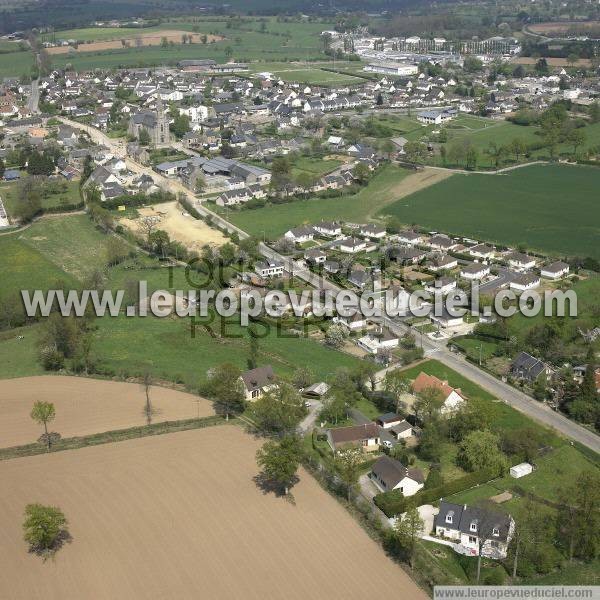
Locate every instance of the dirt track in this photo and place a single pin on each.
(143, 39)
(192, 233)
(85, 406)
(179, 516)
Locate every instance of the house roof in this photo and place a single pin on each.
(258, 378)
(555, 267)
(527, 364)
(463, 516)
(401, 427)
(425, 381)
(392, 472)
(344, 435)
(389, 418)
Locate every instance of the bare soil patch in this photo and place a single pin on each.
(563, 27)
(552, 62)
(86, 406)
(170, 217)
(143, 39)
(179, 516)
(415, 182)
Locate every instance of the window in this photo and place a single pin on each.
(473, 526)
(255, 393)
(449, 517)
(495, 531)
(472, 539)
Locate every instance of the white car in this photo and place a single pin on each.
(387, 444)
(307, 404)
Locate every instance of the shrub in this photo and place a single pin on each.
(495, 577)
(51, 358)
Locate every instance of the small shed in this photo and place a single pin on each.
(521, 470)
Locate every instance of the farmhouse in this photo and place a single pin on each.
(471, 527)
(555, 270)
(453, 398)
(361, 436)
(258, 381)
(389, 474)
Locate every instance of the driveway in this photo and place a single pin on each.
(307, 424)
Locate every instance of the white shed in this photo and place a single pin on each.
(520, 470)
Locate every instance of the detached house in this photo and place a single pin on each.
(299, 235)
(330, 229)
(361, 436)
(389, 474)
(521, 262)
(258, 381)
(471, 528)
(269, 268)
(453, 398)
(475, 271)
(556, 270)
(529, 368)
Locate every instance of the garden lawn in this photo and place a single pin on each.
(314, 166)
(274, 220)
(550, 208)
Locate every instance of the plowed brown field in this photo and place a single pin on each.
(178, 516)
(85, 406)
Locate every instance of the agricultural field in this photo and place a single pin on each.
(15, 64)
(212, 529)
(557, 208)
(87, 406)
(386, 186)
(279, 42)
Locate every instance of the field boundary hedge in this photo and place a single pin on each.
(117, 435)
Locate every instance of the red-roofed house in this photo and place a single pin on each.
(453, 397)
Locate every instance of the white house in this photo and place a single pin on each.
(435, 117)
(300, 234)
(376, 341)
(524, 281)
(269, 268)
(351, 245)
(556, 270)
(521, 262)
(482, 251)
(354, 323)
(453, 398)
(402, 430)
(376, 232)
(475, 271)
(388, 420)
(471, 527)
(258, 381)
(411, 238)
(442, 285)
(330, 229)
(365, 436)
(389, 474)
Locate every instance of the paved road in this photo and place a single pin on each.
(510, 395)
(34, 98)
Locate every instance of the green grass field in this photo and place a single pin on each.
(15, 64)
(275, 220)
(314, 166)
(8, 193)
(552, 208)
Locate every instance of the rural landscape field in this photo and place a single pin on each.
(180, 515)
(299, 300)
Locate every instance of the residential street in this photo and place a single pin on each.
(517, 399)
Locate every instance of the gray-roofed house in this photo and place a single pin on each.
(258, 381)
(469, 527)
(529, 368)
(389, 474)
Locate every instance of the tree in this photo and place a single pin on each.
(159, 242)
(146, 385)
(200, 184)
(594, 112)
(388, 148)
(335, 336)
(361, 172)
(396, 384)
(496, 153)
(42, 413)
(415, 151)
(407, 530)
(428, 404)
(579, 519)
(334, 408)
(227, 389)
(481, 450)
(44, 527)
(253, 349)
(348, 463)
(2, 168)
(576, 137)
(278, 411)
(279, 460)
(144, 137)
(517, 147)
(302, 377)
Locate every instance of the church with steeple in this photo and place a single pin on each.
(156, 123)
